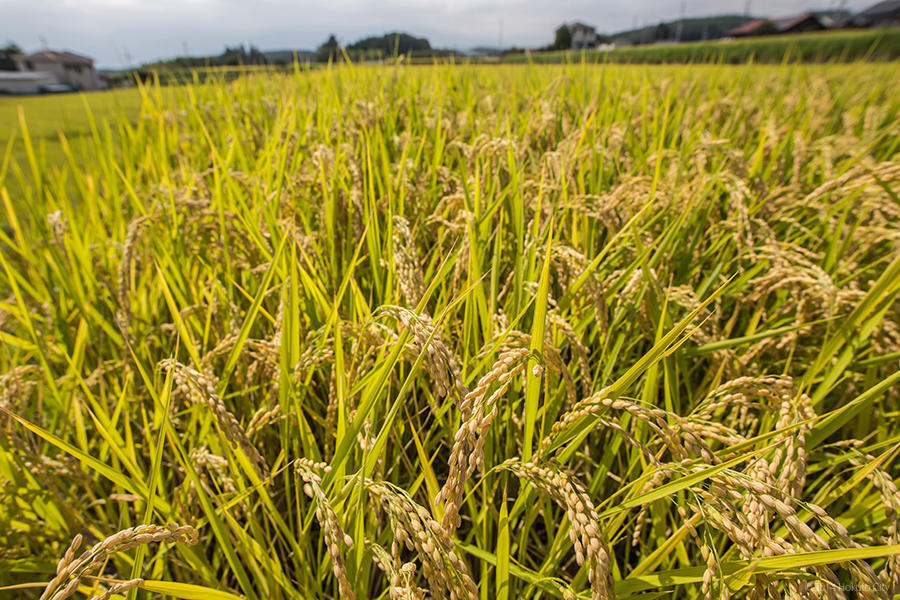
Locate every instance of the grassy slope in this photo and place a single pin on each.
(255, 232)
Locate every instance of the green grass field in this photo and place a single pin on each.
(68, 114)
(466, 332)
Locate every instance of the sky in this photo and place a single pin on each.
(119, 33)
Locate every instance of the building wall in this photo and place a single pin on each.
(30, 85)
(79, 76)
(583, 38)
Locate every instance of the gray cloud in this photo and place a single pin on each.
(111, 30)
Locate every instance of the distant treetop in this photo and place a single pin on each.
(391, 44)
(6, 54)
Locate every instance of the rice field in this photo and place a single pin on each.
(464, 332)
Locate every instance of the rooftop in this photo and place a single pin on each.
(789, 22)
(750, 26)
(882, 8)
(52, 55)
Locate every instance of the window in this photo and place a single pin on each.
(29, 65)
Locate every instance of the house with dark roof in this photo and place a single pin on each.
(68, 68)
(754, 27)
(883, 14)
(808, 21)
(583, 36)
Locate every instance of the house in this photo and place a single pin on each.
(883, 14)
(69, 69)
(754, 27)
(583, 36)
(807, 21)
(18, 82)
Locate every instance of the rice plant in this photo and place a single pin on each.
(465, 332)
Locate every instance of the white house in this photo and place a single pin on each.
(68, 68)
(583, 36)
(18, 82)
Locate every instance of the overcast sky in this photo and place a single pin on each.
(111, 31)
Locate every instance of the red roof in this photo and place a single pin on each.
(750, 27)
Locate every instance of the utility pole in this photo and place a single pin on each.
(681, 21)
